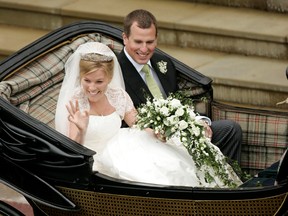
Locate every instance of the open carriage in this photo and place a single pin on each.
(55, 174)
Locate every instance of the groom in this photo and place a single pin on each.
(140, 40)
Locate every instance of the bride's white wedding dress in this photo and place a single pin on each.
(136, 155)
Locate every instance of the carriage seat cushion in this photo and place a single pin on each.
(264, 134)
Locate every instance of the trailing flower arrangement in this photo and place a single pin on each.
(170, 118)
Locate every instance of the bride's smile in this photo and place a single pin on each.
(94, 92)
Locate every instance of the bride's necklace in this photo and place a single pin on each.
(100, 108)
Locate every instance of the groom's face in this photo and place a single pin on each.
(141, 43)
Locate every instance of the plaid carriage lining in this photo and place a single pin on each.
(265, 134)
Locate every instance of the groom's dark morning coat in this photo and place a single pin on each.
(135, 85)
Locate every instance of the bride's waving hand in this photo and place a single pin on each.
(78, 122)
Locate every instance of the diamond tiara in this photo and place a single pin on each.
(96, 57)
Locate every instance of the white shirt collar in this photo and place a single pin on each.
(135, 64)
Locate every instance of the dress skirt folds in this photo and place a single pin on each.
(136, 155)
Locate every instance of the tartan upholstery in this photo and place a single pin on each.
(265, 134)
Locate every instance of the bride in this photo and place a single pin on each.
(91, 106)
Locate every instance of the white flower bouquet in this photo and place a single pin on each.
(171, 118)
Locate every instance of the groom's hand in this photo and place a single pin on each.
(208, 131)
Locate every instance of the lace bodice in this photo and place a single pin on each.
(120, 100)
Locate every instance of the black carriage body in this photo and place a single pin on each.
(32, 151)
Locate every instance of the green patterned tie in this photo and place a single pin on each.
(151, 83)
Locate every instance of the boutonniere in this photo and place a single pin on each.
(162, 65)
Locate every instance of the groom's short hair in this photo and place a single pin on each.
(143, 18)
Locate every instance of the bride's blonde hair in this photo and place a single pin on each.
(92, 62)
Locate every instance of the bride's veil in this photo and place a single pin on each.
(71, 80)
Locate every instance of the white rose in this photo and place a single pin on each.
(166, 122)
(196, 131)
(164, 111)
(175, 103)
(179, 112)
(157, 103)
(182, 125)
(172, 120)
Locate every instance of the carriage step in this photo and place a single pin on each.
(13, 38)
(245, 80)
(280, 6)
